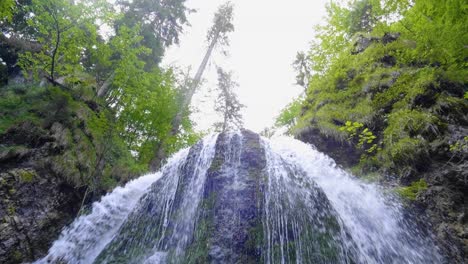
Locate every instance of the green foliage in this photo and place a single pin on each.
(6, 10)
(410, 192)
(64, 31)
(288, 116)
(16, 106)
(411, 123)
(137, 99)
(364, 136)
(58, 107)
(396, 69)
(460, 146)
(147, 108)
(93, 152)
(161, 24)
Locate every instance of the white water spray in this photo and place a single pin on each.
(311, 211)
(375, 221)
(87, 236)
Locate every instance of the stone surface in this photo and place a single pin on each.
(35, 201)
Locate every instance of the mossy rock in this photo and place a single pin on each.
(413, 190)
(24, 175)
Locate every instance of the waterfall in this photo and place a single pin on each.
(374, 220)
(239, 198)
(86, 237)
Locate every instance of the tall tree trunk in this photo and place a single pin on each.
(161, 149)
(104, 89)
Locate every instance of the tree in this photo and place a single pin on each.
(303, 69)
(289, 114)
(6, 10)
(64, 31)
(72, 53)
(217, 36)
(161, 22)
(227, 103)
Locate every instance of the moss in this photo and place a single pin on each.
(406, 151)
(11, 209)
(84, 132)
(411, 192)
(16, 256)
(364, 175)
(197, 252)
(3, 182)
(26, 176)
(255, 237)
(407, 104)
(12, 148)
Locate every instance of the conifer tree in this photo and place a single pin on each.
(227, 103)
(217, 37)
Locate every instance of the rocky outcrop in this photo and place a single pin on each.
(343, 152)
(445, 203)
(363, 42)
(36, 201)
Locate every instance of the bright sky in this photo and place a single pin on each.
(267, 35)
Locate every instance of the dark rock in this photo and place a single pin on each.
(388, 61)
(93, 105)
(390, 37)
(363, 43)
(36, 201)
(445, 204)
(341, 151)
(27, 134)
(237, 209)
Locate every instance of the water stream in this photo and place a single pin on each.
(239, 198)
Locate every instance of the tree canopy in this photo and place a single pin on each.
(109, 54)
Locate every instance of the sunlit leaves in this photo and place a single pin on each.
(6, 10)
(66, 32)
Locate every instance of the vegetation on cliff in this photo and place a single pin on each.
(389, 78)
(387, 98)
(84, 104)
(93, 68)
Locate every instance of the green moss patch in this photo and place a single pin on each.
(410, 192)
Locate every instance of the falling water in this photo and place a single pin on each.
(239, 198)
(374, 220)
(86, 237)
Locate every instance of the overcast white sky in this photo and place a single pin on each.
(267, 35)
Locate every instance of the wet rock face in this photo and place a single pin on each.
(445, 202)
(35, 203)
(221, 206)
(233, 197)
(198, 214)
(342, 152)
